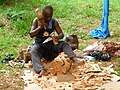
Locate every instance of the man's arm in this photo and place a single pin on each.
(34, 29)
(58, 30)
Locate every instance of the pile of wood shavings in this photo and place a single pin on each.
(83, 75)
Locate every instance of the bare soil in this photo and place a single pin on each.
(10, 82)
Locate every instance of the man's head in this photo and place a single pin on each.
(47, 12)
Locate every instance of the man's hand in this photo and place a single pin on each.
(55, 39)
(58, 30)
(42, 22)
(35, 29)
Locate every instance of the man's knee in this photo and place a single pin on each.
(34, 49)
(63, 44)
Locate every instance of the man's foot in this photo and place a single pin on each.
(42, 72)
(76, 59)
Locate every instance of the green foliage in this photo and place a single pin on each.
(118, 66)
(1, 24)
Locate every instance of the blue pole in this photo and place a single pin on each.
(103, 31)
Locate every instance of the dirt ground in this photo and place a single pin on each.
(9, 82)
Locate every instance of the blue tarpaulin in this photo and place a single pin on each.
(103, 31)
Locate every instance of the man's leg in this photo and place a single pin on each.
(66, 49)
(36, 59)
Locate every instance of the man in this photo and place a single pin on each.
(41, 29)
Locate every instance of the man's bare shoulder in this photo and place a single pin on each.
(35, 20)
(55, 21)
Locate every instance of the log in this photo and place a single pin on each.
(21, 53)
(60, 65)
(52, 71)
(27, 57)
(59, 73)
(66, 67)
(56, 65)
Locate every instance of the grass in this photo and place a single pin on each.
(75, 17)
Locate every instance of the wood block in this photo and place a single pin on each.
(65, 68)
(59, 62)
(27, 56)
(52, 71)
(21, 53)
(59, 73)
